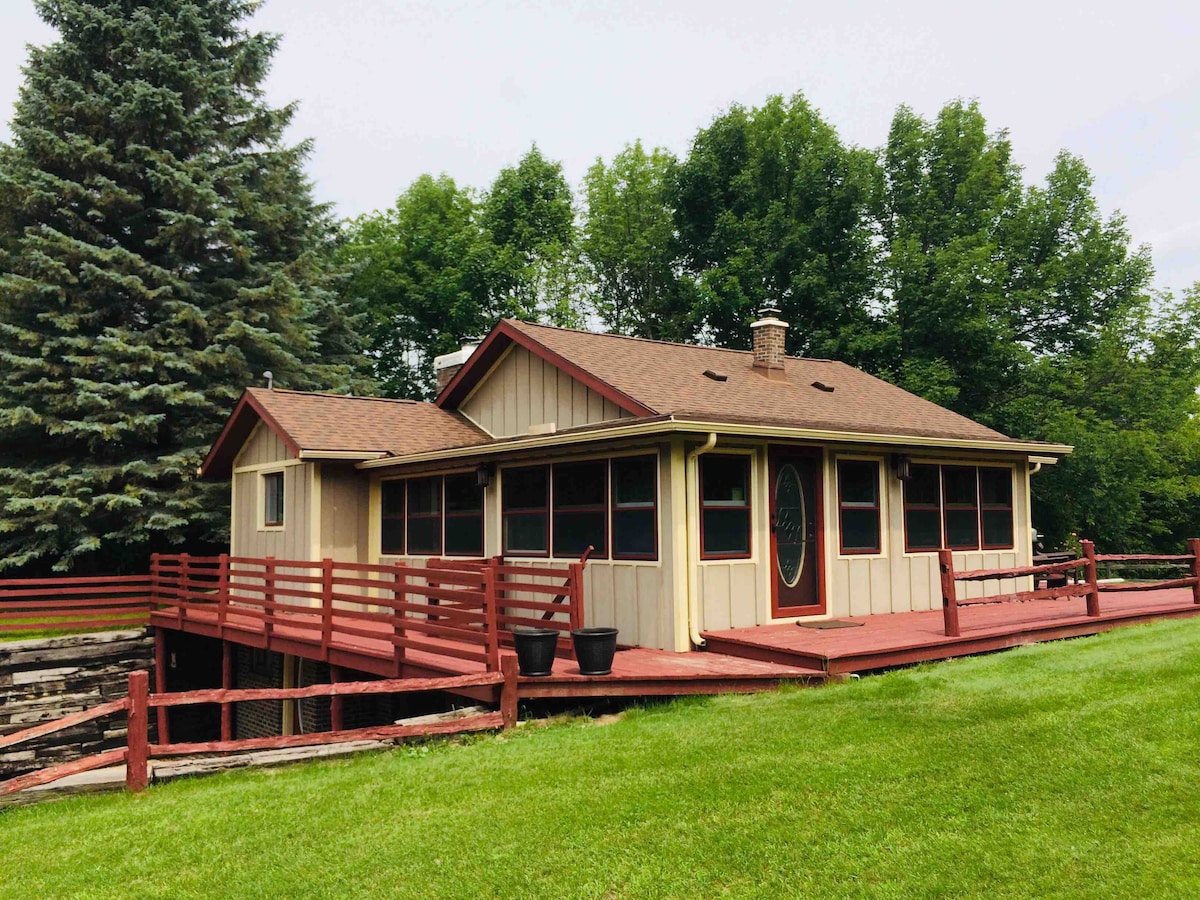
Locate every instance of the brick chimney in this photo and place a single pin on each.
(447, 365)
(769, 334)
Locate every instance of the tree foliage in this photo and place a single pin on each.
(630, 248)
(159, 249)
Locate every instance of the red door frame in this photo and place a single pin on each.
(818, 456)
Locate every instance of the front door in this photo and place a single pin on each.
(796, 545)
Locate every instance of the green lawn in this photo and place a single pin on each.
(1068, 769)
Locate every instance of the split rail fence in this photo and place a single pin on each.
(1089, 586)
(138, 751)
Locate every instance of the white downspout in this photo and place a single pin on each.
(693, 503)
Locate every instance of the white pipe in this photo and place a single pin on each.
(1037, 467)
(693, 494)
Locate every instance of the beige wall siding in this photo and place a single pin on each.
(294, 539)
(523, 391)
(263, 446)
(344, 526)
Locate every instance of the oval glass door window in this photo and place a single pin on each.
(790, 525)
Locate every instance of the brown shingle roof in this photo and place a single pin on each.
(669, 379)
(334, 423)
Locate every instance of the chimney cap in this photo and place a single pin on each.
(769, 309)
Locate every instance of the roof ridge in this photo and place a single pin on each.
(645, 340)
(337, 396)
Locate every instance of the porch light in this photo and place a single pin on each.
(483, 474)
(902, 466)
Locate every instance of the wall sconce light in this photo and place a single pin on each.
(483, 474)
(902, 466)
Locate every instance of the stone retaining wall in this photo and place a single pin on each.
(47, 678)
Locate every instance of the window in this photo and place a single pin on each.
(923, 509)
(424, 519)
(960, 502)
(724, 506)
(272, 484)
(580, 508)
(391, 532)
(634, 513)
(464, 516)
(996, 508)
(959, 507)
(858, 506)
(525, 509)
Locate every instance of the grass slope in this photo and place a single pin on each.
(1068, 769)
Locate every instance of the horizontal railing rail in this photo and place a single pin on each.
(1089, 586)
(71, 604)
(139, 701)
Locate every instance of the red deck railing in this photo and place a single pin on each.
(459, 608)
(137, 705)
(1090, 586)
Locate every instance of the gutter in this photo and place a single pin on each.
(693, 562)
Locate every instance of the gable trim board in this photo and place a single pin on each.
(502, 337)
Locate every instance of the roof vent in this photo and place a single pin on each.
(822, 386)
(715, 376)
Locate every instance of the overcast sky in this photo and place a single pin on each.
(389, 90)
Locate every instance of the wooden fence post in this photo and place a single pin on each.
(326, 607)
(398, 596)
(949, 592)
(1089, 574)
(137, 738)
(155, 576)
(226, 684)
(222, 591)
(160, 684)
(491, 612)
(1193, 546)
(508, 691)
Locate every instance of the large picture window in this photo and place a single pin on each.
(858, 506)
(580, 510)
(272, 485)
(424, 519)
(525, 509)
(391, 532)
(724, 506)
(958, 507)
(464, 516)
(634, 510)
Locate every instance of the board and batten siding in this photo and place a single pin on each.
(523, 391)
(344, 509)
(263, 453)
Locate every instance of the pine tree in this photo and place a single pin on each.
(159, 249)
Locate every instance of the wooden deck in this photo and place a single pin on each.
(897, 639)
(637, 672)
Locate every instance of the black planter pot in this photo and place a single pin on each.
(594, 649)
(535, 649)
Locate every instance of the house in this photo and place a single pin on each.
(716, 488)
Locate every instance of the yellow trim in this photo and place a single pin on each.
(352, 455)
(233, 514)
(314, 511)
(885, 531)
(260, 499)
(277, 466)
(672, 426)
(680, 563)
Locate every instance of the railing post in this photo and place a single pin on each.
(268, 596)
(222, 591)
(1193, 546)
(137, 739)
(326, 607)
(491, 602)
(1089, 574)
(398, 596)
(155, 588)
(508, 691)
(949, 592)
(160, 683)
